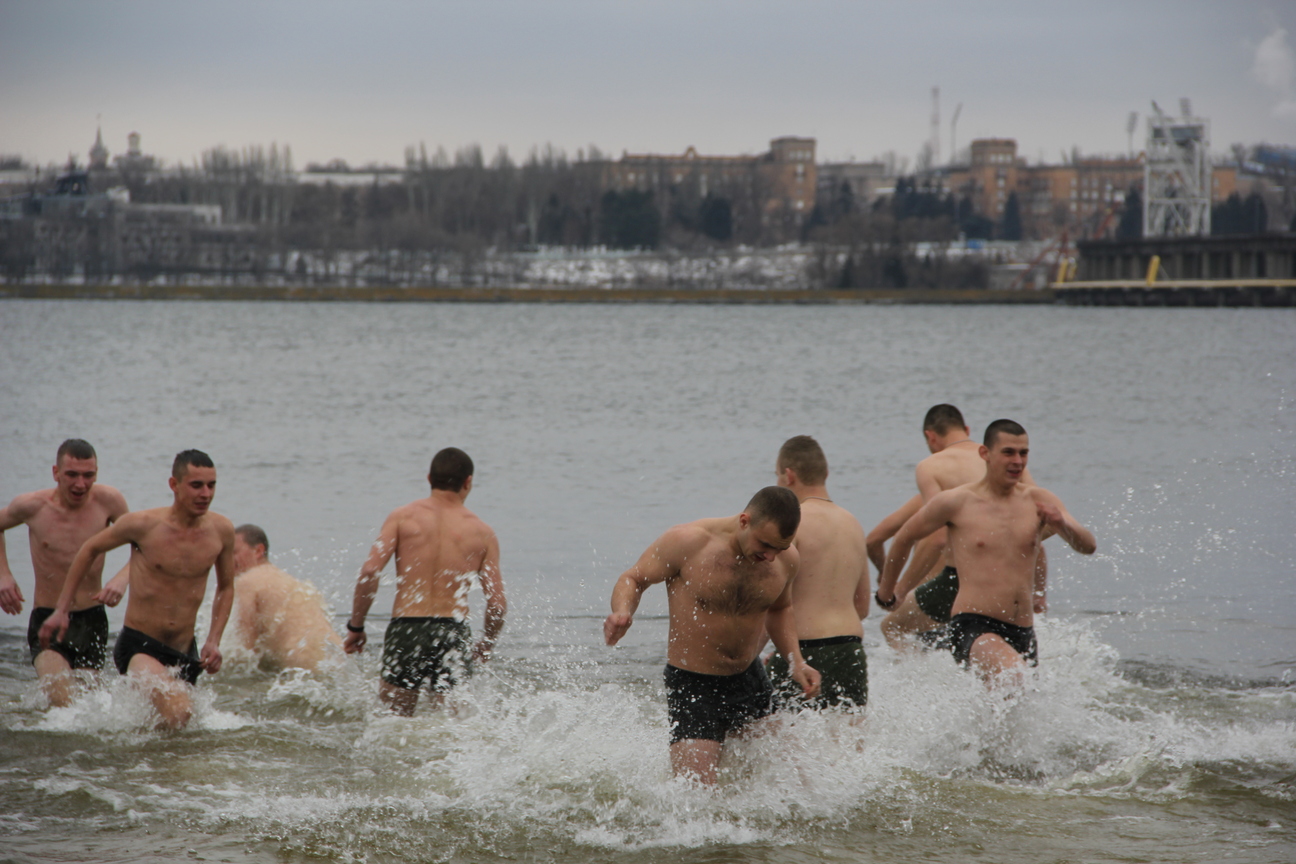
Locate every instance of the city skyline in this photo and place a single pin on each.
(362, 83)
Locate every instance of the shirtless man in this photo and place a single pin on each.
(58, 521)
(439, 545)
(929, 586)
(728, 582)
(275, 615)
(995, 527)
(173, 550)
(830, 595)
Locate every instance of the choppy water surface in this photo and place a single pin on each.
(1160, 727)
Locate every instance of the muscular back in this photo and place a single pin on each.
(438, 547)
(834, 565)
(282, 618)
(55, 534)
(718, 602)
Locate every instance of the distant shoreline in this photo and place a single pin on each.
(351, 294)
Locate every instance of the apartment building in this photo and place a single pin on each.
(780, 183)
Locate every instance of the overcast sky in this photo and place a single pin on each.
(362, 81)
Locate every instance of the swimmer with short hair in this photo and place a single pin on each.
(278, 617)
(929, 585)
(173, 551)
(439, 544)
(996, 526)
(830, 595)
(59, 521)
(728, 582)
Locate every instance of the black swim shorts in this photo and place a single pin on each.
(935, 597)
(131, 642)
(709, 707)
(419, 649)
(840, 661)
(965, 627)
(84, 645)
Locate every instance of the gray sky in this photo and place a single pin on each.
(361, 81)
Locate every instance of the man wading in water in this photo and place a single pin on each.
(995, 528)
(438, 543)
(831, 591)
(728, 581)
(173, 549)
(59, 521)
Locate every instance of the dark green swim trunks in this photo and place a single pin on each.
(418, 649)
(84, 646)
(841, 662)
(935, 597)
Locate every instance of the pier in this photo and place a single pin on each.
(1221, 270)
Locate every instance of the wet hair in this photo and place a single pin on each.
(450, 469)
(778, 504)
(253, 535)
(942, 418)
(1001, 427)
(185, 458)
(76, 448)
(803, 455)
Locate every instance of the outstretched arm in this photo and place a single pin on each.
(367, 585)
(875, 542)
(932, 516)
(659, 562)
(496, 606)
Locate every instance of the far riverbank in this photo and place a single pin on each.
(372, 294)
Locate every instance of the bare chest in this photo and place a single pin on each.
(724, 587)
(59, 534)
(172, 552)
(998, 528)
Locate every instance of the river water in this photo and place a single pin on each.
(1159, 727)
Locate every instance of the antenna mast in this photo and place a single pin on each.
(935, 127)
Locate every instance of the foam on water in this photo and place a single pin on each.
(565, 754)
(515, 754)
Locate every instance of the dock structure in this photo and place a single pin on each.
(1178, 292)
(1221, 270)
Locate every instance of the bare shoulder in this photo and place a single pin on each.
(143, 520)
(109, 498)
(789, 561)
(27, 505)
(954, 496)
(421, 507)
(695, 533)
(686, 539)
(222, 526)
(1039, 493)
(477, 522)
(845, 520)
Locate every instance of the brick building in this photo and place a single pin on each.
(778, 185)
(1085, 194)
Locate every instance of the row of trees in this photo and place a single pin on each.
(463, 201)
(929, 213)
